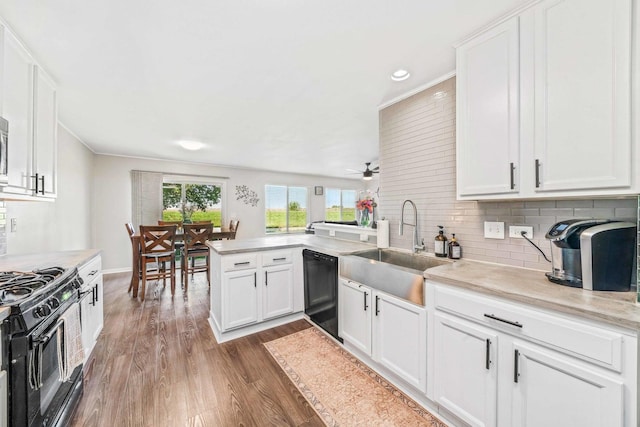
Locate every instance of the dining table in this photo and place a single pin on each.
(218, 233)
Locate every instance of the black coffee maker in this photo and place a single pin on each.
(594, 254)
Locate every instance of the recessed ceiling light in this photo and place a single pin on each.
(191, 145)
(400, 75)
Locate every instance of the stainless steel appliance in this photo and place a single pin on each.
(37, 394)
(321, 290)
(4, 141)
(594, 254)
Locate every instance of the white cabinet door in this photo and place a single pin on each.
(98, 308)
(277, 294)
(400, 338)
(465, 372)
(240, 298)
(17, 104)
(355, 315)
(4, 396)
(45, 134)
(553, 390)
(488, 112)
(582, 94)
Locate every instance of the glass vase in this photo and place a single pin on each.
(364, 218)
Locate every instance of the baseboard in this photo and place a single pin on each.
(248, 330)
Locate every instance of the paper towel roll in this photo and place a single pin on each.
(383, 233)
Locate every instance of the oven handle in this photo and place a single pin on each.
(46, 337)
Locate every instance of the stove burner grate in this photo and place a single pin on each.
(18, 285)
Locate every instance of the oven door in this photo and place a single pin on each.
(39, 396)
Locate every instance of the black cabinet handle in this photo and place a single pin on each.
(377, 299)
(487, 362)
(42, 190)
(516, 373)
(537, 173)
(255, 279)
(241, 263)
(266, 278)
(97, 293)
(512, 168)
(280, 259)
(365, 301)
(37, 180)
(509, 322)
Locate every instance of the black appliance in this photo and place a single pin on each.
(321, 290)
(37, 395)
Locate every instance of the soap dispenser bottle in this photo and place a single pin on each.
(455, 250)
(441, 243)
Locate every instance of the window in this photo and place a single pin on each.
(191, 201)
(340, 205)
(285, 209)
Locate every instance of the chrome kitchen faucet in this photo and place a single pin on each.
(415, 247)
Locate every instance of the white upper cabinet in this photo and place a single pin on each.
(582, 81)
(544, 103)
(17, 109)
(28, 103)
(45, 134)
(487, 105)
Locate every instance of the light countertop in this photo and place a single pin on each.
(29, 262)
(326, 245)
(532, 287)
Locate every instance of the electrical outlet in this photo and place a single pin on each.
(493, 230)
(364, 238)
(515, 230)
(14, 225)
(332, 233)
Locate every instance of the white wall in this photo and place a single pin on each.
(65, 223)
(112, 183)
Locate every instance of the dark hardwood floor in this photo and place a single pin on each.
(157, 364)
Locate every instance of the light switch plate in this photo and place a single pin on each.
(515, 230)
(14, 225)
(493, 230)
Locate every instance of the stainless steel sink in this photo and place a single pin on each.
(402, 259)
(397, 273)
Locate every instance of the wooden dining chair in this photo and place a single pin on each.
(233, 228)
(176, 223)
(131, 231)
(157, 248)
(195, 246)
(202, 222)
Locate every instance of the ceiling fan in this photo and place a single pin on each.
(367, 174)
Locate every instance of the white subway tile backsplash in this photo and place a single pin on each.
(417, 159)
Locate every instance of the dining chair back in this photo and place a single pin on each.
(233, 228)
(195, 246)
(157, 246)
(176, 223)
(201, 222)
(131, 231)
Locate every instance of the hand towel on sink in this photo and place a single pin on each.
(70, 349)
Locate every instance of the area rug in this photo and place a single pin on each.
(342, 389)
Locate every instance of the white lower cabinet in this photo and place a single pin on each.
(498, 363)
(240, 290)
(277, 298)
(549, 389)
(465, 379)
(252, 288)
(390, 330)
(91, 304)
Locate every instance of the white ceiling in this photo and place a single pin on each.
(287, 85)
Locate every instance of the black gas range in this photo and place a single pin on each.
(39, 395)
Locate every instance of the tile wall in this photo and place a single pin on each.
(417, 157)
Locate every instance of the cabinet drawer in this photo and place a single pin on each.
(581, 339)
(91, 269)
(239, 262)
(276, 257)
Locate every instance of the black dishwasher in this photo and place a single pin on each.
(321, 290)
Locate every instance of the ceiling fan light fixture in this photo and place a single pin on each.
(400, 75)
(191, 145)
(367, 177)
